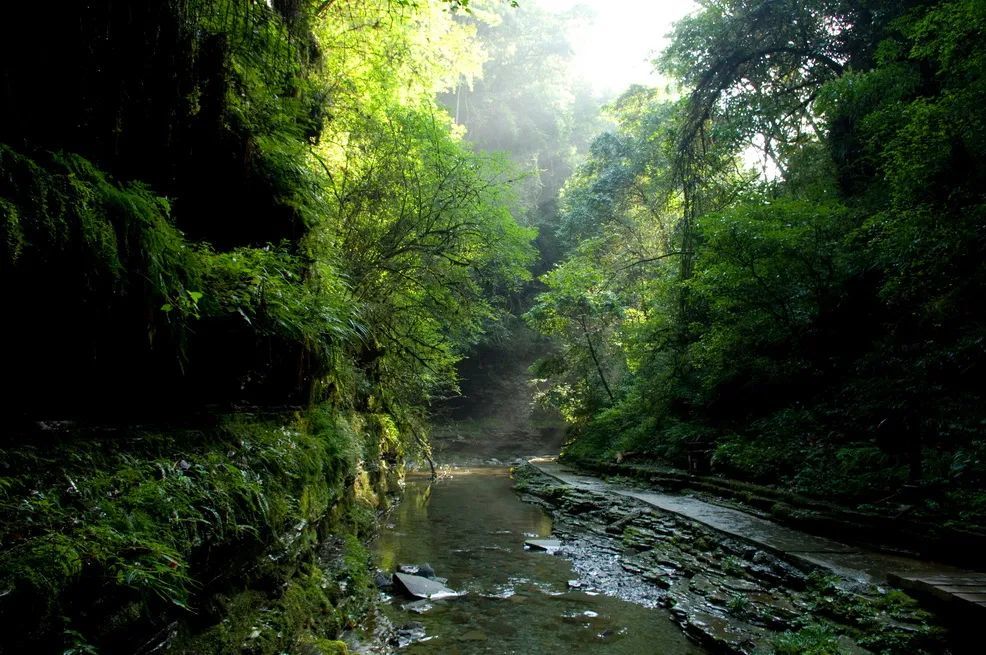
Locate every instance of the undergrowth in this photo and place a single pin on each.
(133, 529)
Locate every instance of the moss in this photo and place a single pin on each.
(108, 237)
(882, 621)
(117, 534)
(732, 565)
(312, 645)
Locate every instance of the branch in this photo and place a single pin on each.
(322, 7)
(595, 359)
(654, 259)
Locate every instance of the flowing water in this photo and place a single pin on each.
(471, 528)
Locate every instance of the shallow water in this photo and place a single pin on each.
(471, 529)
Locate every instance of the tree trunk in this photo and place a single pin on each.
(595, 359)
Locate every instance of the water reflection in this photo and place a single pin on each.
(471, 529)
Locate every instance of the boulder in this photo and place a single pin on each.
(382, 580)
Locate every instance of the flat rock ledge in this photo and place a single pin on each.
(724, 593)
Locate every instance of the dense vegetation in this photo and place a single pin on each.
(782, 271)
(235, 202)
(212, 204)
(531, 107)
(774, 265)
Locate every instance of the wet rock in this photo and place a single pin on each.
(409, 569)
(775, 609)
(407, 634)
(741, 585)
(426, 571)
(418, 607)
(547, 545)
(722, 634)
(382, 580)
(661, 579)
(702, 586)
(730, 596)
(420, 587)
(625, 519)
(778, 572)
(581, 503)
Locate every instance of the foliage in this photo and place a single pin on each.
(815, 639)
(280, 248)
(139, 516)
(111, 241)
(782, 270)
(428, 243)
(217, 202)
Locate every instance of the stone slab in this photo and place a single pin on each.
(547, 545)
(420, 587)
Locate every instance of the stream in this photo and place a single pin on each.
(620, 566)
(471, 528)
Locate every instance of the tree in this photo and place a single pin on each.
(822, 306)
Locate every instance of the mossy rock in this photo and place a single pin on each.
(312, 645)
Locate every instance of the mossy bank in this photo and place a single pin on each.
(241, 534)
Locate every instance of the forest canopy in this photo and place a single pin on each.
(782, 269)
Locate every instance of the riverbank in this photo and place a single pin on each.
(241, 534)
(730, 596)
(897, 524)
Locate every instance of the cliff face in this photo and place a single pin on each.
(132, 162)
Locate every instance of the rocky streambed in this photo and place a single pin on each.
(466, 567)
(725, 593)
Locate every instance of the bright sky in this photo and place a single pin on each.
(615, 49)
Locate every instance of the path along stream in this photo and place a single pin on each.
(734, 583)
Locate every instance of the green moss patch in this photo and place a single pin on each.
(223, 532)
